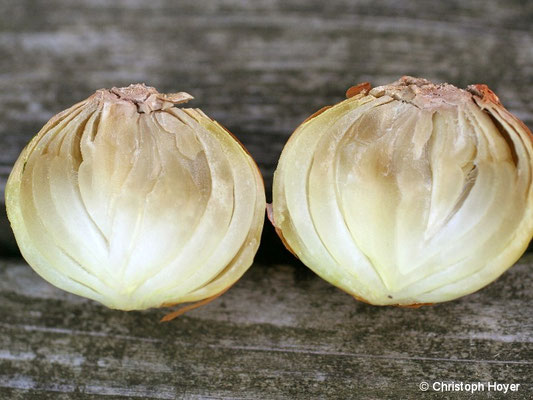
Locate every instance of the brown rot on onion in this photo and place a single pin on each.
(409, 193)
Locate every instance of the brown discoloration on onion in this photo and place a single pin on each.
(482, 91)
(316, 114)
(363, 88)
(183, 310)
(359, 298)
(234, 137)
(270, 215)
(487, 100)
(519, 122)
(415, 305)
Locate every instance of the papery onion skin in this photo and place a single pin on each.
(409, 193)
(132, 202)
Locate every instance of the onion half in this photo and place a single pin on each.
(132, 202)
(408, 193)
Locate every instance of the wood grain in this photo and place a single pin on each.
(280, 333)
(260, 68)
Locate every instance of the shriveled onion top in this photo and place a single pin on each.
(409, 192)
(130, 201)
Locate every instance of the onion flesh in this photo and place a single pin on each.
(132, 202)
(408, 193)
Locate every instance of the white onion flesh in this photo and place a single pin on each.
(411, 193)
(134, 203)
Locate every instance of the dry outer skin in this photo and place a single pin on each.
(431, 196)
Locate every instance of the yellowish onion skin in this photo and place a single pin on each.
(132, 202)
(407, 194)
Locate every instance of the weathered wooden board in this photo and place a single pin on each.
(259, 67)
(280, 333)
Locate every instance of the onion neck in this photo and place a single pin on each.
(146, 98)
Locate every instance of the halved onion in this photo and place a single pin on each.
(407, 193)
(132, 202)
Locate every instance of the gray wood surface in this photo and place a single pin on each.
(280, 333)
(259, 67)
